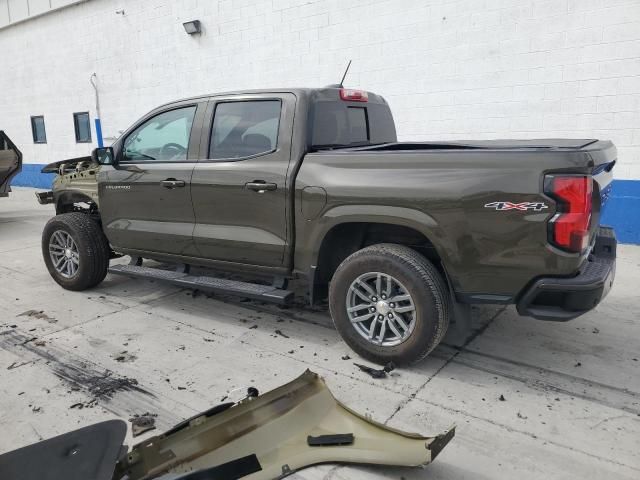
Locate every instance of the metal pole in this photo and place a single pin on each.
(98, 123)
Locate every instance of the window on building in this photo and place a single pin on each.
(245, 129)
(37, 129)
(82, 127)
(164, 137)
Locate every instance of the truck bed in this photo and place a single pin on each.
(447, 188)
(547, 144)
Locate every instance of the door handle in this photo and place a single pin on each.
(172, 183)
(261, 186)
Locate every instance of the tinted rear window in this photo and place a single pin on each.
(358, 124)
(342, 124)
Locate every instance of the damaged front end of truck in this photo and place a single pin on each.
(262, 437)
(75, 186)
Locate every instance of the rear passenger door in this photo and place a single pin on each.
(239, 190)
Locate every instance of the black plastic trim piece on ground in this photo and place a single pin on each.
(233, 470)
(337, 439)
(440, 442)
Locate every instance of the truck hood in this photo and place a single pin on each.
(10, 163)
(69, 163)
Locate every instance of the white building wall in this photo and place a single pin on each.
(450, 69)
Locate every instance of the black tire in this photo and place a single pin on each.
(92, 246)
(422, 281)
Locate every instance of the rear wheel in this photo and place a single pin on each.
(389, 303)
(75, 251)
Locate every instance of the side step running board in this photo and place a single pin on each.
(266, 293)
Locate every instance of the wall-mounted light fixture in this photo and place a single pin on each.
(192, 27)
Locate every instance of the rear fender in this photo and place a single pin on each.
(309, 249)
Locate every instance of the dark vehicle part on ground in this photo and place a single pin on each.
(376, 372)
(270, 436)
(10, 163)
(312, 183)
(87, 453)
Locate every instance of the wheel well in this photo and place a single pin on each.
(75, 202)
(347, 238)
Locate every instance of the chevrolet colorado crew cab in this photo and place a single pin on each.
(313, 183)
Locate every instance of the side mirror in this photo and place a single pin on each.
(103, 156)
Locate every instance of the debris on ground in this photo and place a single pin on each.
(36, 409)
(106, 385)
(377, 372)
(502, 399)
(279, 332)
(80, 405)
(208, 339)
(522, 416)
(40, 343)
(124, 356)
(143, 423)
(39, 314)
(16, 365)
(346, 357)
(596, 330)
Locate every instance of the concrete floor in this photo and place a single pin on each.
(571, 390)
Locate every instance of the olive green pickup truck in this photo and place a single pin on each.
(312, 183)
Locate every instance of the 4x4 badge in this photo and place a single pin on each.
(536, 206)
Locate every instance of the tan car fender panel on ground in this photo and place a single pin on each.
(262, 437)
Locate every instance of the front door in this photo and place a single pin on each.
(145, 200)
(239, 188)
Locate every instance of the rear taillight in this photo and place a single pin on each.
(569, 229)
(353, 95)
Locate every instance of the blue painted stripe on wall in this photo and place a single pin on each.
(31, 176)
(622, 211)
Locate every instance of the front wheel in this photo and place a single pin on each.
(75, 251)
(389, 303)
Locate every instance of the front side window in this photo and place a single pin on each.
(82, 126)
(164, 137)
(38, 130)
(244, 129)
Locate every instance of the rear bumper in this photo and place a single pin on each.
(562, 299)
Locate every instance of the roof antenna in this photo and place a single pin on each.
(339, 85)
(345, 74)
